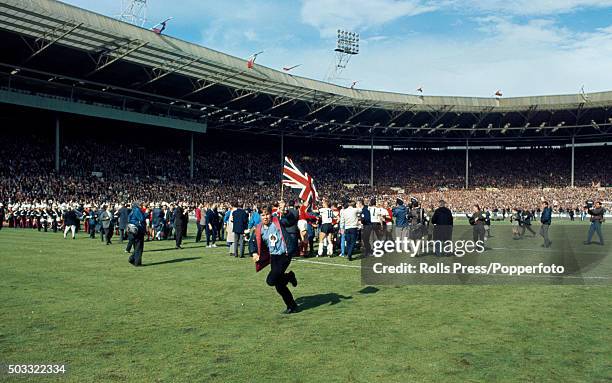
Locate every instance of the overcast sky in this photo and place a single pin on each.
(449, 47)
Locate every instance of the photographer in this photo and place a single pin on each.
(477, 221)
(416, 219)
(597, 218)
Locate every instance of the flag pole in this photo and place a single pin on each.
(282, 164)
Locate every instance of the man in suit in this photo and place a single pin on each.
(241, 221)
(179, 224)
(442, 220)
(210, 224)
(107, 224)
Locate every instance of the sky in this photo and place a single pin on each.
(447, 47)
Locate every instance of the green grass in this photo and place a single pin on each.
(211, 318)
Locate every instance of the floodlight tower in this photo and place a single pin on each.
(134, 12)
(347, 45)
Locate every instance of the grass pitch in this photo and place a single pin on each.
(198, 315)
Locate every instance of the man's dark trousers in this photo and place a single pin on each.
(179, 236)
(199, 232)
(350, 235)
(130, 242)
(279, 279)
(239, 241)
(136, 258)
(595, 228)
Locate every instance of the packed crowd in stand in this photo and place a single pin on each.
(97, 186)
(113, 173)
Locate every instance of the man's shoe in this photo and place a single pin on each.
(291, 310)
(586, 243)
(131, 260)
(292, 279)
(213, 245)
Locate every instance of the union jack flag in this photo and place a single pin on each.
(295, 179)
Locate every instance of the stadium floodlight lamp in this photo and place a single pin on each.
(347, 43)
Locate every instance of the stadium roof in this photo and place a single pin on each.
(48, 39)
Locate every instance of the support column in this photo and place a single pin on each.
(372, 162)
(191, 159)
(573, 147)
(467, 164)
(57, 144)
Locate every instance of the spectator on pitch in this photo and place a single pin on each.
(526, 219)
(219, 229)
(349, 220)
(400, 212)
(70, 222)
(240, 225)
(137, 229)
(123, 221)
(273, 245)
(597, 218)
(378, 217)
(199, 221)
(106, 218)
(179, 224)
(366, 229)
(442, 221)
(546, 220)
(92, 218)
(289, 219)
(210, 224)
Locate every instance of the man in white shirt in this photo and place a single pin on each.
(377, 217)
(349, 220)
